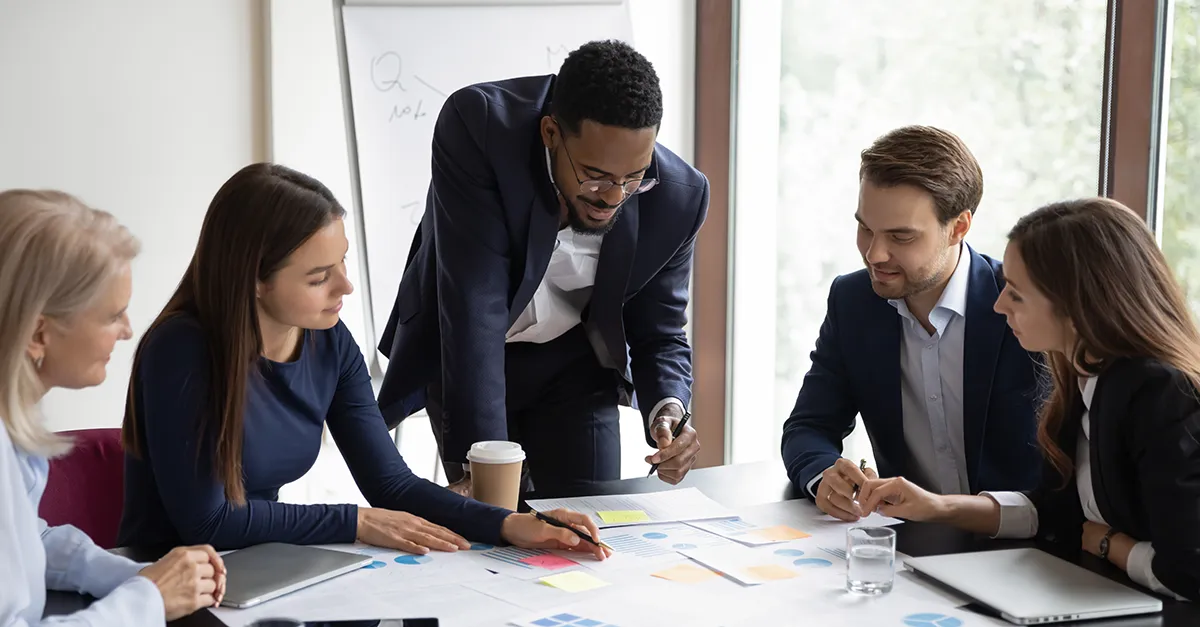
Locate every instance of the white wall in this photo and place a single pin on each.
(142, 108)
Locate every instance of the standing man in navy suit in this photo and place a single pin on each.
(911, 343)
(548, 280)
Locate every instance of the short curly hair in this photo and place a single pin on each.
(609, 83)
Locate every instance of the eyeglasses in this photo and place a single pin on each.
(595, 187)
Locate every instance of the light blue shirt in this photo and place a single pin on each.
(37, 557)
(931, 387)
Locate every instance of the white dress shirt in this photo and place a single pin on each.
(38, 557)
(931, 387)
(557, 305)
(1019, 516)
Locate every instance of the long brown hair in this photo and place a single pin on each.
(257, 219)
(1098, 264)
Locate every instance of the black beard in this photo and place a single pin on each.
(576, 222)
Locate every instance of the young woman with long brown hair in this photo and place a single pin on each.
(1120, 430)
(235, 380)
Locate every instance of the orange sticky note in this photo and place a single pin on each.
(769, 572)
(780, 533)
(686, 573)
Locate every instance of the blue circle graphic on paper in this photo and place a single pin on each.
(413, 560)
(790, 552)
(815, 562)
(479, 546)
(375, 564)
(684, 546)
(931, 620)
(654, 535)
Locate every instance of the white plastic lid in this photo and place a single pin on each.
(495, 452)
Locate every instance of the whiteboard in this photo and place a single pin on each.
(402, 63)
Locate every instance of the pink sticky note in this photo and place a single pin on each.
(549, 562)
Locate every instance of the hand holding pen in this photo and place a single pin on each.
(678, 448)
(586, 534)
(837, 491)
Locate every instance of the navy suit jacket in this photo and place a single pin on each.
(856, 370)
(483, 246)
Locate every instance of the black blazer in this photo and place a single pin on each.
(1145, 462)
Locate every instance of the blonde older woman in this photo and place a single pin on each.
(64, 288)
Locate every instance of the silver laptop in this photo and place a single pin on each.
(1031, 587)
(267, 571)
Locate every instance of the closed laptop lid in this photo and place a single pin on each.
(263, 572)
(1031, 584)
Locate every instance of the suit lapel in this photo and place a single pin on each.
(881, 336)
(608, 292)
(983, 336)
(1112, 392)
(543, 233)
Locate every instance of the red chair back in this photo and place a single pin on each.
(86, 487)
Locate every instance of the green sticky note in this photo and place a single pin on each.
(627, 516)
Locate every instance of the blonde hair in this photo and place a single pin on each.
(56, 256)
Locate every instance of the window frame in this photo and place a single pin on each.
(1133, 126)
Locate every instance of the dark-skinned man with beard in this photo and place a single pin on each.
(548, 281)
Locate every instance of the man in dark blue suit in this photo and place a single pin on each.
(548, 280)
(912, 344)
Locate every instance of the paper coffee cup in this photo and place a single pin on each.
(496, 472)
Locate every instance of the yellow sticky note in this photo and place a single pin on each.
(780, 533)
(686, 573)
(574, 581)
(628, 516)
(769, 572)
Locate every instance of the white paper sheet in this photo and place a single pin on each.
(671, 536)
(529, 595)
(649, 603)
(660, 507)
(454, 606)
(527, 564)
(752, 566)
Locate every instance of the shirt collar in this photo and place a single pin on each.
(1088, 387)
(954, 297)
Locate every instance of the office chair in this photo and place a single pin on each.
(86, 487)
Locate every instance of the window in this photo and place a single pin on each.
(1180, 211)
(1020, 82)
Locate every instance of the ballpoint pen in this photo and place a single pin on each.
(558, 523)
(674, 434)
(862, 467)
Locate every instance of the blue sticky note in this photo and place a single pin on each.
(566, 618)
(546, 622)
(587, 622)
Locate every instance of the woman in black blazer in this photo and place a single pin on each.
(1120, 429)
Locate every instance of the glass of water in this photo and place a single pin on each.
(870, 559)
